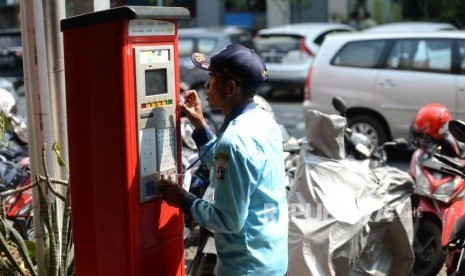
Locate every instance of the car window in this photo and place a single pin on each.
(10, 41)
(432, 55)
(276, 48)
(363, 54)
(206, 45)
(462, 56)
(281, 43)
(186, 47)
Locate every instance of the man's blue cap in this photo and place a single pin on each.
(236, 62)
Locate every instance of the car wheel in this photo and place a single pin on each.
(370, 127)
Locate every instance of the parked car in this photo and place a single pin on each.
(207, 40)
(411, 27)
(385, 78)
(288, 51)
(11, 52)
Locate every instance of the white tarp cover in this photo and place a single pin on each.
(346, 219)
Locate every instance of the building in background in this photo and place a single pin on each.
(9, 14)
(258, 14)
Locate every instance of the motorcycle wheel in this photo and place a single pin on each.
(429, 255)
(30, 234)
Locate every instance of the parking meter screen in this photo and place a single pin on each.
(155, 82)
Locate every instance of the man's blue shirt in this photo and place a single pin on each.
(248, 213)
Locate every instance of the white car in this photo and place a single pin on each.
(411, 27)
(288, 51)
(385, 78)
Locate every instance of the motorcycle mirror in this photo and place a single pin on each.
(401, 143)
(339, 105)
(439, 166)
(457, 128)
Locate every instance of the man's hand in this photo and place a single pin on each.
(172, 193)
(192, 107)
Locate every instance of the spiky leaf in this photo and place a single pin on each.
(4, 248)
(18, 240)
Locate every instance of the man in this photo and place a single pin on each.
(248, 213)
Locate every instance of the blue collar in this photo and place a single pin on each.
(234, 114)
(228, 119)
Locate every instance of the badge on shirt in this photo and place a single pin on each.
(221, 163)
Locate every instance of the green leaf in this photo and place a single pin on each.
(5, 269)
(56, 148)
(4, 123)
(23, 249)
(8, 254)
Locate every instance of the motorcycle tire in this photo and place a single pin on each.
(204, 262)
(429, 254)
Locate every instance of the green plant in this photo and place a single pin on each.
(17, 258)
(396, 12)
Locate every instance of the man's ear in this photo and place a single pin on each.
(231, 87)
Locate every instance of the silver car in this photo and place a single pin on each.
(385, 78)
(288, 51)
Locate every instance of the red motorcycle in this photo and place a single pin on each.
(434, 193)
(453, 221)
(453, 238)
(18, 205)
(436, 189)
(453, 226)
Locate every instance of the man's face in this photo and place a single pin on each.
(215, 90)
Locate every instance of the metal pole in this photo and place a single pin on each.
(53, 12)
(42, 100)
(36, 88)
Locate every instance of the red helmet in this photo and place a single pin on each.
(432, 120)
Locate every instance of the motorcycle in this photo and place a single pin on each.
(15, 169)
(14, 142)
(358, 146)
(453, 238)
(13, 145)
(453, 219)
(18, 205)
(435, 193)
(364, 228)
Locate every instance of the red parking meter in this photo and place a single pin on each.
(122, 83)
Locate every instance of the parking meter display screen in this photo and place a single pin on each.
(155, 82)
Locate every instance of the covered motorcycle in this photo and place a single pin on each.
(345, 218)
